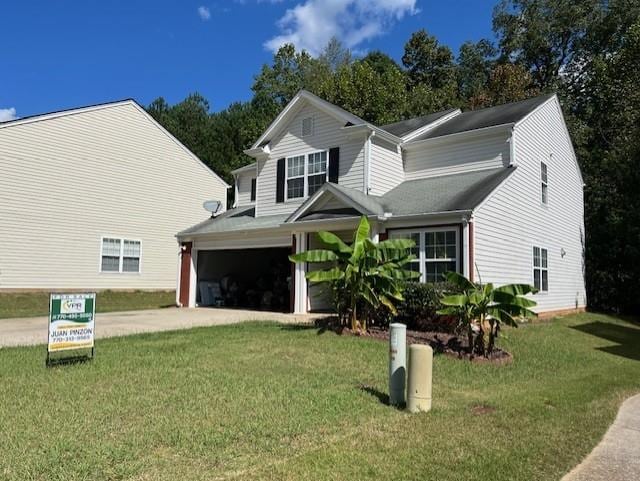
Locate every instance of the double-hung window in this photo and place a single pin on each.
(436, 251)
(120, 255)
(543, 183)
(306, 174)
(540, 269)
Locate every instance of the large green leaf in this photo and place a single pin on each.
(333, 242)
(362, 232)
(316, 255)
(517, 289)
(326, 275)
(455, 300)
(502, 297)
(459, 281)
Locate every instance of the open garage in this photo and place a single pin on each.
(257, 278)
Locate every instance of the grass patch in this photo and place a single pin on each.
(264, 401)
(31, 304)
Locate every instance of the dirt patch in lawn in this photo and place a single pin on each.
(441, 342)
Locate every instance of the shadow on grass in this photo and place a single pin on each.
(322, 325)
(627, 339)
(383, 397)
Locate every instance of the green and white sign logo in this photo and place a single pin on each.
(71, 321)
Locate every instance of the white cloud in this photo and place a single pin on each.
(204, 13)
(7, 114)
(311, 24)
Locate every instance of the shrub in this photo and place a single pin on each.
(419, 310)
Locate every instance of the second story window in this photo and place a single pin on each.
(543, 182)
(306, 174)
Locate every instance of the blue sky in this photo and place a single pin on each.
(58, 54)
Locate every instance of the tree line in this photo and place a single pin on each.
(588, 51)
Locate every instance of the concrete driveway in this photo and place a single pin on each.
(33, 330)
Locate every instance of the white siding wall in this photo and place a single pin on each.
(514, 219)
(448, 156)
(244, 188)
(65, 182)
(327, 133)
(385, 170)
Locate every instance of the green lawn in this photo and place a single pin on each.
(30, 304)
(264, 401)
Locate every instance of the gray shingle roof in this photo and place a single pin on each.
(444, 193)
(238, 219)
(404, 127)
(489, 117)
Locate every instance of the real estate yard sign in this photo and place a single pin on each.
(71, 322)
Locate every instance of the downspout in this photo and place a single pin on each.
(235, 191)
(367, 162)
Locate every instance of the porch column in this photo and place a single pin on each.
(193, 277)
(472, 251)
(184, 284)
(300, 302)
(465, 248)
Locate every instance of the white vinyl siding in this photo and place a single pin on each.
(327, 133)
(243, 183)
(385, 169)
(513, 219)
(437, 251)
(70, 180)
(459, 153)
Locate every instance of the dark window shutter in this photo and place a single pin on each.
(280, 181)
(334, 164)
(253, 190)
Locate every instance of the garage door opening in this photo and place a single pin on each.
(245, 278)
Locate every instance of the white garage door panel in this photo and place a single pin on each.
(279, 240)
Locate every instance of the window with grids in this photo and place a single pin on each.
(306, 174)
(540, 269)
(436, 252)
(543, 182)
(120, 255)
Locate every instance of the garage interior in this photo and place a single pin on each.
(258, 279)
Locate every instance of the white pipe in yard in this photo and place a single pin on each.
(397, 363)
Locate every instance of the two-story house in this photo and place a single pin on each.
(495, 194)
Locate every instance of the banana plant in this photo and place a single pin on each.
(369, 273)
(485, 307)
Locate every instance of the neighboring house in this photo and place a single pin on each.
(495, 194)
(91, 199)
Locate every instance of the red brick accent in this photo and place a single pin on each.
(185, 273)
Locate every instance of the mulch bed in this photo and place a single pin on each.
(441, 342)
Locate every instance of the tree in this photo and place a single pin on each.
(364, 271)
(431, 74)
(475, 64)
(485, 307)
(542, 35)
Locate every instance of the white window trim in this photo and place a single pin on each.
(534, 267)
(121, 260)
(544, 184)
(422, 257)
(306, 156)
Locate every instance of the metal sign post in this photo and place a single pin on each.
(71, 326)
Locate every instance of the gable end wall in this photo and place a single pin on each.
(514, 220)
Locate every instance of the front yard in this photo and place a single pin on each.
(31, 304)
(265, 401)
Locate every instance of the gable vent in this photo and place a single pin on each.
(307, 126)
